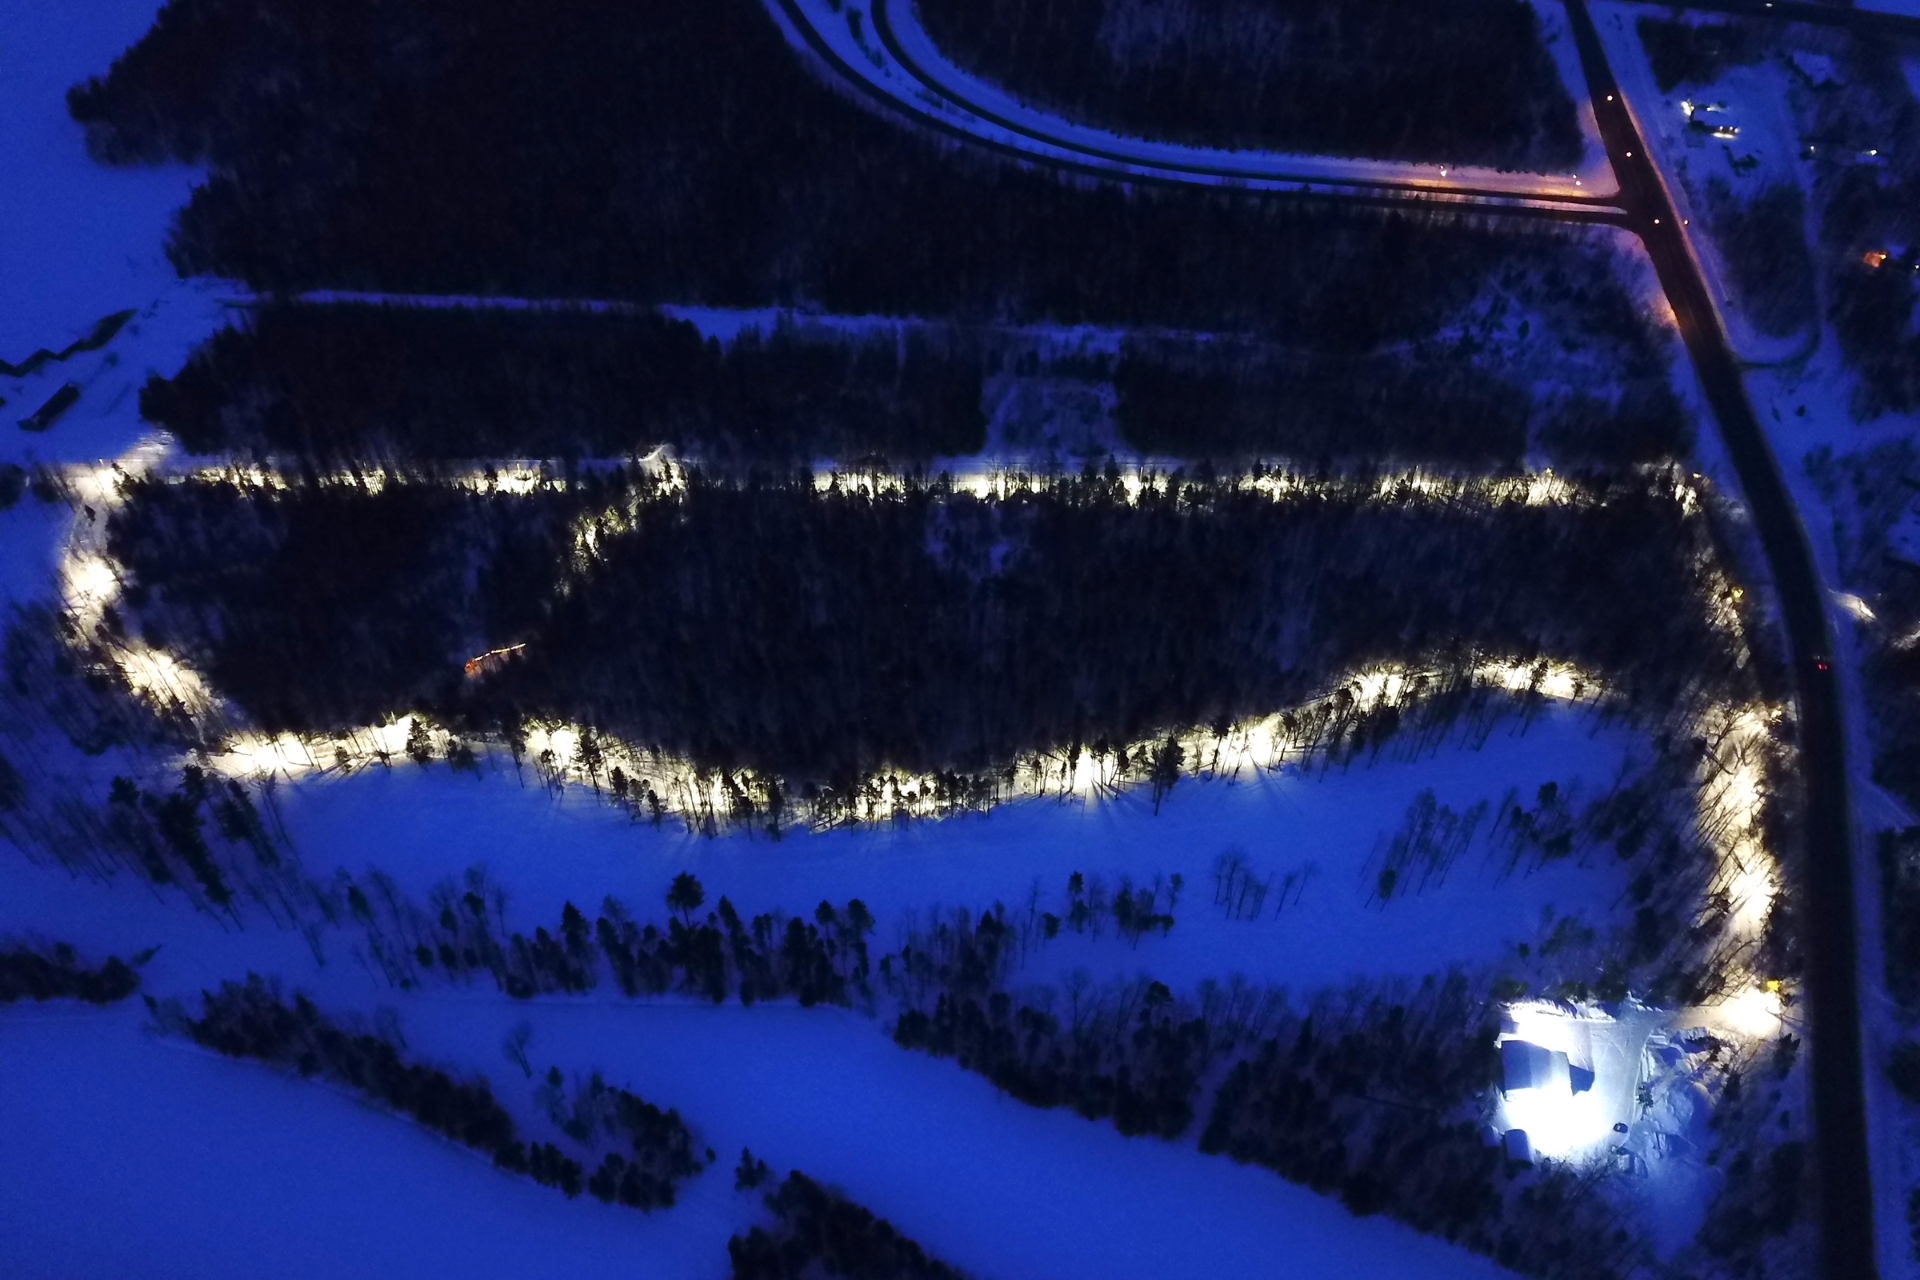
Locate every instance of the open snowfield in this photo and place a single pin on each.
(203, 1167)
(422, 827)
(79, 241)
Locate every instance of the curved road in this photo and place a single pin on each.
(1044, 149)
(1844, 1198)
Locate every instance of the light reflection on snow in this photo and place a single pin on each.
(1732, 771)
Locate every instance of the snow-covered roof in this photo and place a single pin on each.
(1525, 1065)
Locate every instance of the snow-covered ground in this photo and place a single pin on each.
(423, 827)
(127, 1156)
(848, 29)
(79, 241)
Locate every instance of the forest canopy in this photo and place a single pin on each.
(766, 625)
(682, 152)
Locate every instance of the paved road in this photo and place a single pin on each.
(1071, 157)
(1845, 1198)
(889, 39)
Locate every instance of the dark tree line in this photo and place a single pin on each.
(1898, 852)
(1371, 1096)
(818, 959)
(345, 383)
(1764, 243)
(654, 1149)
(682, 152)
(1138, 1063)
(253, 1020)
(55, 973)
(1688, 53)
(165, 832)
(819, 1232)
(1433, 403)
(1465, 82)
(331, 604)
(766, 626)
(352, 383)
(1865, 135)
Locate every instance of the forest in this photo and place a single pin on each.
(1341, 77)
(653, 1149)
(683, 153)
(1684, 53)
(355, 384)
(817, 1232)
(1763, 241)
(1434, 403)
(762, 624)
(352, 382)
(56, 973)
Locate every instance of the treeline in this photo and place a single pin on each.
(684, 153)
(165, 832)
(352, 382)
(1764, 243)
(1465, 82)
(818, 1232)
(56, 973)
(1870, 204)
(463, 933)
(767, 626)
(341, 384)
(252, 1020)
(1434, 403)
(1696, 53)
(1375, 1096)
(1898, 853)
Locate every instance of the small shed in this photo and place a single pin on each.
(1519, 1149)
(1525, 1065)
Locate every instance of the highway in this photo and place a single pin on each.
(1844, 1201)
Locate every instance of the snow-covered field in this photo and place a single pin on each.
(79, 241)
(129, 1156)
(424, 828)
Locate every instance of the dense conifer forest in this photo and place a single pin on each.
(1340, 77)
(429, 146)
(56, 973)
(342, 384)
(817, 1232)
(765, 625)
(348, 383)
